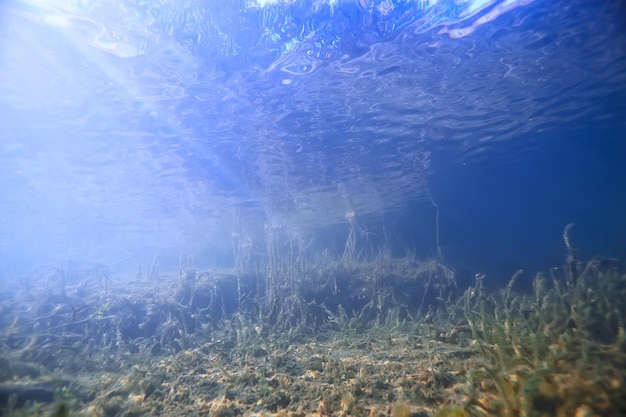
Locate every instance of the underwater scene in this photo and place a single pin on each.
(384, 208)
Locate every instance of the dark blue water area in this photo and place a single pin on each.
(501, 213)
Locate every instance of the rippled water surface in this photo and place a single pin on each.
(180, 124)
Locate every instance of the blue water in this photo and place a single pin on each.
(135, 128)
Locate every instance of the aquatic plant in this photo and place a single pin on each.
(544, 353)
(329, 334)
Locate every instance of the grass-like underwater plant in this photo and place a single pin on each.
(546, 353)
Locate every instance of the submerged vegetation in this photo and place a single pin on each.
(297, 334)
(560, 351)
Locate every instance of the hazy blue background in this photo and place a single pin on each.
(134, 128)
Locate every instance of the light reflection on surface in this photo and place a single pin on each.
(175, 121)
